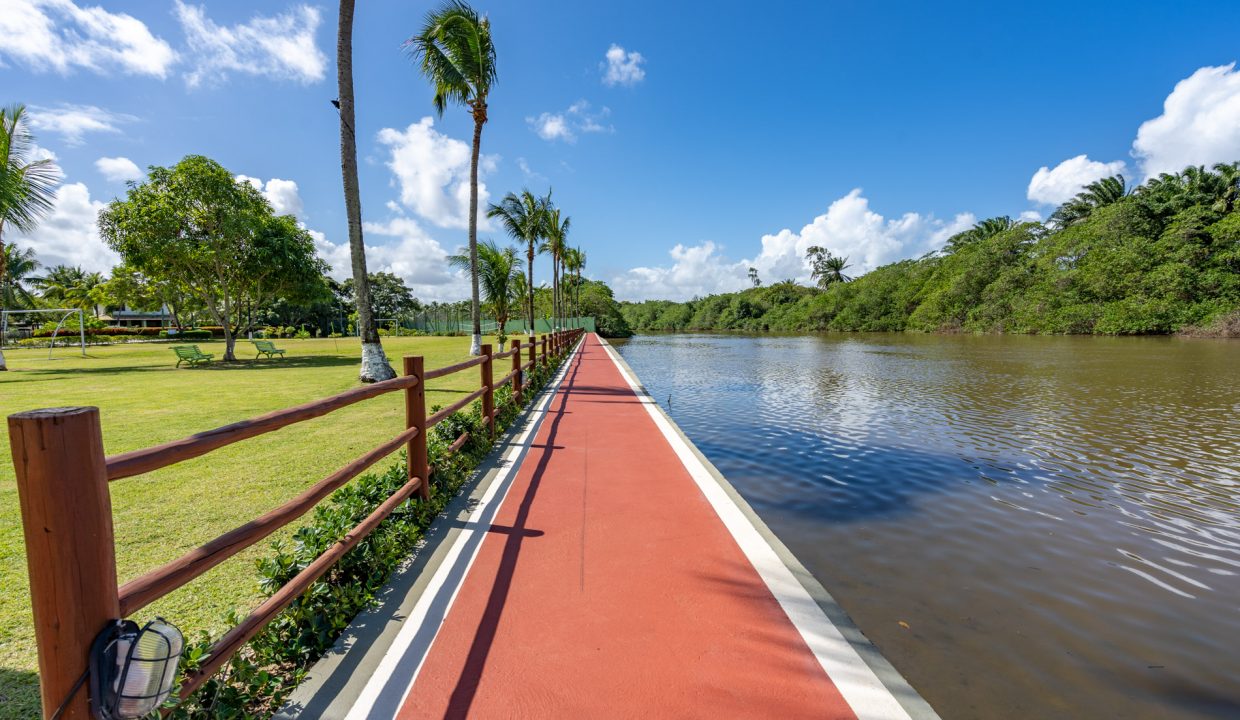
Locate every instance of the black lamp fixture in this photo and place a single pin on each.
(132, 668)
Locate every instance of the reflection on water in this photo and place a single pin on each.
(1057, 520)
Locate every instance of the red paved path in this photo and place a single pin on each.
(609, 587)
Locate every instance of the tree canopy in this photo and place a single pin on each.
(195, 226)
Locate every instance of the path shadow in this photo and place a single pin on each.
(466, 689)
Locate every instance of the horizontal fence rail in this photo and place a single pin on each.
(63, 476)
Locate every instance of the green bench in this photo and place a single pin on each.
(268, 348)
(190, 354)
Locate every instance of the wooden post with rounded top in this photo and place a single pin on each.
(516, 368)
(488, 385)
(415, 416)
(62, 483)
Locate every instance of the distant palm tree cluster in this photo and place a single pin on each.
(538, 223)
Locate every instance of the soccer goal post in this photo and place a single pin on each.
(63, 313)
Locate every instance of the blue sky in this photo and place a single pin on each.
(716, 136)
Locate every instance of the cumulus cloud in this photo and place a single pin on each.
(622, 68)
(118, 169)
(1057, 186)
(280, 46)
(73, 122)
(409, 253)
(69, 234)
(432, 171)
(284, 196)
(59, 35)
(1199, 125)
(848, 228)
(580, 118)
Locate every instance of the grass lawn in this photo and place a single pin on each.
(144, 401)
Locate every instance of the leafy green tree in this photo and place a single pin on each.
(129, 287)
(826, 268)
(575, 262)
(389, 295)
(753, 277)
(195, 226)
(72, 287)
(375, 366)
(27, 190)
(456, 54)
(981, 231)
(497, 272)
(524, 217)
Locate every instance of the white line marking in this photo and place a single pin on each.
(413, 641)
(861, 688)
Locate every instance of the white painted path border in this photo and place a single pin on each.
(861, 688)
(429, 607)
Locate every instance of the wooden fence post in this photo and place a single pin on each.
(415, 416)
(516, 367)
(488, 383)
(545, 359)
(62, 483)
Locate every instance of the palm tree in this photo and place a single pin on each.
(574, 261)
(556, 244)
(753, 277)
(524, 217)
(836, 266)
(1097, 194)
(375, 365)
(983, 230)
(71, 287)
(497, 271)
(16, 265)
(27, 189)
(455, 50)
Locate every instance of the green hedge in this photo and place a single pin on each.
(260, 677)
(187, 335)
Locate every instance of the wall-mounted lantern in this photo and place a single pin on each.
(132, 669)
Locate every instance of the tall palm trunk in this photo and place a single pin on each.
(530, 286)
(4, 276)
(375, 365)
(480, 117)
(555, 292)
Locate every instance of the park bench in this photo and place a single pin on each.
(190, 354)
(268, 348)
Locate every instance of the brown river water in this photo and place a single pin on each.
(1027, 527)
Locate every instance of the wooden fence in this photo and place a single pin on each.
(62, 481)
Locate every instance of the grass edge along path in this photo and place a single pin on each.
(145, 401)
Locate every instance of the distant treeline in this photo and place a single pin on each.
(1162, 258)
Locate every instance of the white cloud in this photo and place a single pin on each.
(118, 169)
(69, 234)
(432, 171)
(1055, 187)
(284, 196)
(579, 118)
(551, 126)
(527, 171)
(58, 35)
(849, 228)
(1200, 124)
(410, 253)
(74, 121)
(622, 68)
(1030, 216)
(280, 46)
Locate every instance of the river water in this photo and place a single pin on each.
(1056, 520)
